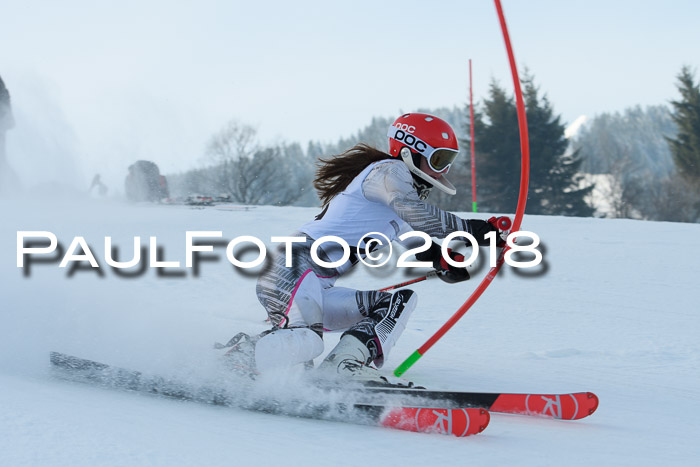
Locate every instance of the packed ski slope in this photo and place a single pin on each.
(614, 311)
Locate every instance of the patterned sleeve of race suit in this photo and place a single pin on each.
(391, 183)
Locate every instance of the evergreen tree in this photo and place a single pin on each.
(497, 152)
(685, 147)
(554, 174)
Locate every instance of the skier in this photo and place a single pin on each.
(363, 190)
(98, 185)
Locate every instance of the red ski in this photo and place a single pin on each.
(560, 406)
(572, 406)
(458, 422)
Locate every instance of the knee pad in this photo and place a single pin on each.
(373, 303)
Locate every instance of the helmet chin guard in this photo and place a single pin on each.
(442, 183)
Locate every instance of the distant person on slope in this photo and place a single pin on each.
(97, 185)
(363, 190)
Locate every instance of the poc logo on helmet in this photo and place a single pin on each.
(406, 127)
(410, 140)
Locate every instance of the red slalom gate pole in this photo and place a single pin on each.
(520, 210)
(471, 130)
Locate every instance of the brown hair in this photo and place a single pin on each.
(336, 172)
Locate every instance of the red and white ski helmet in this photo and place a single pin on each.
(415, 135)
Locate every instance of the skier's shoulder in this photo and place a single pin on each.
(393, 163)
(387, 181)
(390, 170)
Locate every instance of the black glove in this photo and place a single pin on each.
(446, 272)
(479, 229)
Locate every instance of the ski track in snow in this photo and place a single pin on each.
(615, 313)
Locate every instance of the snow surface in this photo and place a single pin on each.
(615, 311)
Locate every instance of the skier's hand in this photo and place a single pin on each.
(446, 272)
(451, 274)
(479, 229)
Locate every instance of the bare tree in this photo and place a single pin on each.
(234, 141)
(674, 199)
(252, 174)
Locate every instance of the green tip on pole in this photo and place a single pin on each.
(401, 369)
(474, 206)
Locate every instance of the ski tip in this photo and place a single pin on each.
(485, 419)
(594, 401)
(586, 404)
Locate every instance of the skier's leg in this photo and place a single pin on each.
(301, 339)
(371, 339)
(343, 307)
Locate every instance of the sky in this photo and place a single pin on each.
(97, 85)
